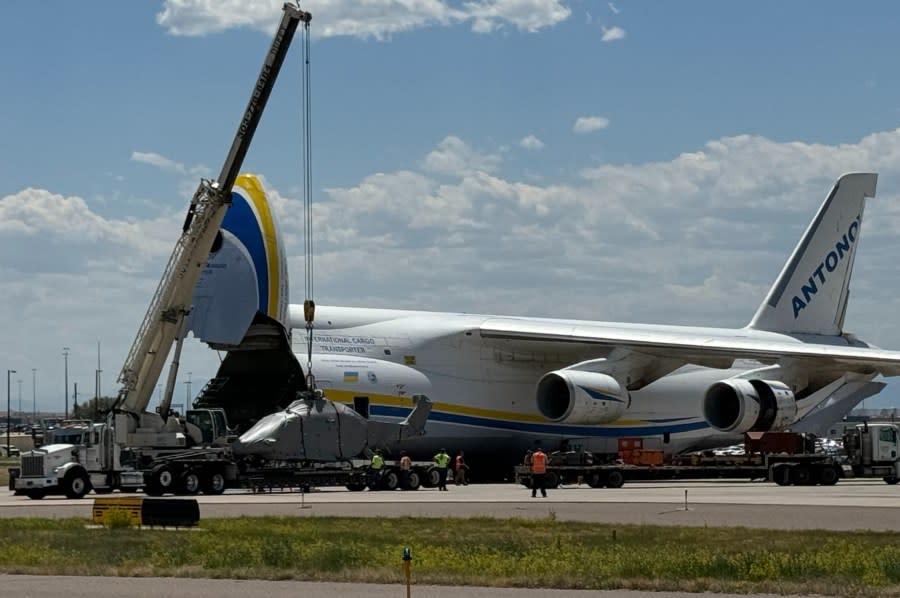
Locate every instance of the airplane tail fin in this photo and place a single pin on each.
(810, 295)
(245, 280)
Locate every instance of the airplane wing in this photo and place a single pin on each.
(707, 347)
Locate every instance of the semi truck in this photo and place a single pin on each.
(785, 458)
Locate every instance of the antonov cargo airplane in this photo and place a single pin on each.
(500, 383)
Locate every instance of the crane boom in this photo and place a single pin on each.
(163, 323)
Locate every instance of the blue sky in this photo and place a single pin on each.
(445, 138)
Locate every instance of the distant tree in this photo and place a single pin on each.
(94, 410)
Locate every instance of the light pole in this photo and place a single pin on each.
(20, 397)
(34, 395)
(8, 374)
(188, 383)
(65, 352)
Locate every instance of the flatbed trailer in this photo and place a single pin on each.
(779, 468)
(355, 475)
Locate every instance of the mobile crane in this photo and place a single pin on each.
(140, 449)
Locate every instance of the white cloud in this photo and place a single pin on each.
(527, 15)
(613, 8)
(378, 19)
(531, 142)
(693, 240)
(454, 157)
(612, 34)
(161, 162)
(589, 124)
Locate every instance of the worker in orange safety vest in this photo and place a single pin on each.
(538, 472)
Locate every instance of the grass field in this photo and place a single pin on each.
(514, 553)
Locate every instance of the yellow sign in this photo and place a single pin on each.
(108, 510)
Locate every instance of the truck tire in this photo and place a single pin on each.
(356, 486)
(189, 483)
(594, 479)
(615, 479)
(551, 479)
(161, 480)
(36, 494)
(828, 476)
(76, 483)
(412, 481)
(891, 480)
(214, 483)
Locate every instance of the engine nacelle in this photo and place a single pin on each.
(575, 397)
(749, 406)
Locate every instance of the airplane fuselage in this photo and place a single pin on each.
(484, 396)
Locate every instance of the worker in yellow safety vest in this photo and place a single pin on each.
(441, 462)
(538, 472)
(376, 468)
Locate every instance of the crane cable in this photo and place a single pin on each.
(309, 305)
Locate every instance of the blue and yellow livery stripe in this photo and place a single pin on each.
(250, 219)
(394, 406)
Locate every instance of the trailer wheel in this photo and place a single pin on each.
(551, 479)
(891, 480)
(76, 483)
(781, 474)
(432, 478)
(214, 483)
(189, 483)
(828, 476)
(594, 480)
(615, 479)
(36, 494)
(412, 481)
(390, 481)
(801, 475)
(356, 486)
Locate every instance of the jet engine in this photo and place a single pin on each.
(749, 406)
(576, 397)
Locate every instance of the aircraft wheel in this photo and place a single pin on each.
(189, 483)
(76, 483)
(412, 481)
(891, 480)
(615, 479)
(828, 476)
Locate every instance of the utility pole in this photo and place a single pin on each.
(20, 397)
(34, 395)
(8, 373)
(65, 352)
